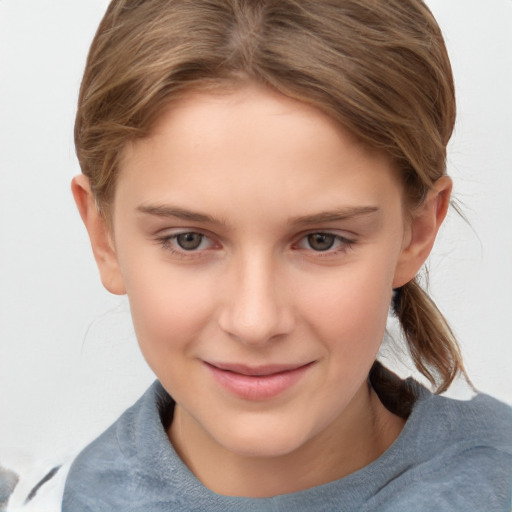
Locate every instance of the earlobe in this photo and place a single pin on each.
(99, 235)
(424, 226)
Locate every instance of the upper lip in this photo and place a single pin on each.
(255, 371)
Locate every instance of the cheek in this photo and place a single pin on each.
(349, 312)
(169, 310)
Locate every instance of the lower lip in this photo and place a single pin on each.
(257, 387)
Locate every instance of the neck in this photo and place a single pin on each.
(359, 436)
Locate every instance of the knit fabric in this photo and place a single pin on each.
(451, 456)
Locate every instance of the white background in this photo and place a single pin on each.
(69, 363)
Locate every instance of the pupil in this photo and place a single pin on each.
(189, 241)
(321, 241)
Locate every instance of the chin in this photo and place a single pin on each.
(269, 442)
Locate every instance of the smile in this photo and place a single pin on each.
(257, 383)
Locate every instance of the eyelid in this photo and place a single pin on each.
(167, 236)
(346, 242)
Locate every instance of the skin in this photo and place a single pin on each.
(255, 174)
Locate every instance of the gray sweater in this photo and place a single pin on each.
(451, 456)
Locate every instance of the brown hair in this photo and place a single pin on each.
(379, 67)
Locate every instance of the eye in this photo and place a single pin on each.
(189, 241)
(325, 242)
(186, 242)
(321, 241)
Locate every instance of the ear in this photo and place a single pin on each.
(99, 235)
(422, 231)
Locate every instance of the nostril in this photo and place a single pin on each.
(257, 326)
(255, 308)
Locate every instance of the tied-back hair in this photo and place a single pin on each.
(378, 67)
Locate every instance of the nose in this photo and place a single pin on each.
(256, 309)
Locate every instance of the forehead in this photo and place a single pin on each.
(251, 143)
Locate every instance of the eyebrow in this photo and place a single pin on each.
(317, 218)
(179, 213)
(335, 215)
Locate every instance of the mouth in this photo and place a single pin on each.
(258, 371)
(257, 382)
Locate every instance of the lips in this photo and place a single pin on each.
(257, 382)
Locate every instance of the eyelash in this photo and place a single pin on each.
(167, 243)
(344, 244)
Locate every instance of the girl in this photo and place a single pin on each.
(263, 179)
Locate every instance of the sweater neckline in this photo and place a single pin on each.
(154, 445)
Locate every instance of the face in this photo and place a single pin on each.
(258, 243)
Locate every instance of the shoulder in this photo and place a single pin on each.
(120, 458)
(462, 454)
(482, 421)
